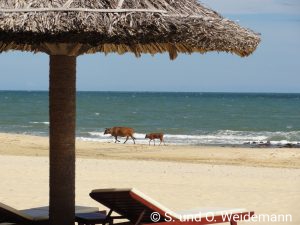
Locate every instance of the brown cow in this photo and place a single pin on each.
(121, 132)
(154, 136)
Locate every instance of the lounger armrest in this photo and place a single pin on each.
(10, 214)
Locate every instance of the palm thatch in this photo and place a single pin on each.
(138, 26)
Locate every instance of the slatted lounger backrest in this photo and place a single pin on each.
(129, 203)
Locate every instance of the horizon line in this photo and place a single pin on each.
(212, 92)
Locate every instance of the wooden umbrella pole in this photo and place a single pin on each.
(62, 107)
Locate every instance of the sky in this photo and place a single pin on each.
(274, 67)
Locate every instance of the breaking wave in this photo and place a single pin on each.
(222, 137)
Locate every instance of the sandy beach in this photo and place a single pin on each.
(181, 177)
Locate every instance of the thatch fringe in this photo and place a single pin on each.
(140, 26)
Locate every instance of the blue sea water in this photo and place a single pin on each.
(185, 118)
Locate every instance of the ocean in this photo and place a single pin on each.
(185, 118)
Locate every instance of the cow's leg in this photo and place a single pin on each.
(154, 141)
(133, 138)
(149, 142)
(163, 141)
(116, 137)
(126, 140)
(160, 141)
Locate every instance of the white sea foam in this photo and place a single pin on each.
(46, 123)
(222, 137)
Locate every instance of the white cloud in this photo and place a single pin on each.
(254, 6)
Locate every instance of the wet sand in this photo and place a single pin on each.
(26, 145)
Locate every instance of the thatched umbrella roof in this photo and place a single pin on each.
(138, 26)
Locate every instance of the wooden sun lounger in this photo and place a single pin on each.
(36, 216)
(138, 209)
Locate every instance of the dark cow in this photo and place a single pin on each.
(120, 132)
